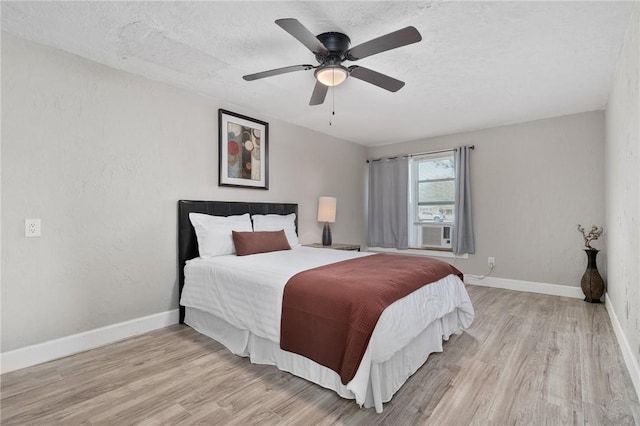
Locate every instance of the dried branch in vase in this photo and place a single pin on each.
(593, 235)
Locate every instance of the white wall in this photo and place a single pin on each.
(532, 183)
(102, 157)
(623, 193)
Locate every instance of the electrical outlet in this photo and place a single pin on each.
(32, 227)
(491, 262)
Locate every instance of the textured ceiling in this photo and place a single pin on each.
(479, 65)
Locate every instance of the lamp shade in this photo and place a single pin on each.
(327, 209)
(331, 75)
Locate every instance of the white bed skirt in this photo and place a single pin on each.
(374, 383)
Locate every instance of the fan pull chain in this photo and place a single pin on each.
(333, 99)
(332, 112)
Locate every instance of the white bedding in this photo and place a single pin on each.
(246, 292)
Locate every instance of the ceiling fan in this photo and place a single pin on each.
(332, 49)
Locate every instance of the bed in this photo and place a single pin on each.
(237, 301)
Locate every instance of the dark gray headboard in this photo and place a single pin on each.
(187, 242)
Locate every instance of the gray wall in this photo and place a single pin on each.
(532, 183)
(102, 157)
(623, 189)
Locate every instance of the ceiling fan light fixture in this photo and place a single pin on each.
(331, 75)
(331, 49)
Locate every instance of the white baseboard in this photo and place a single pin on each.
(528, 286)
(627, 353)
(65, 346)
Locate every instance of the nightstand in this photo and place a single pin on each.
(336, 246)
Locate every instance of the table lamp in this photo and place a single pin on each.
(326, 214)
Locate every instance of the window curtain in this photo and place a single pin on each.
(463, 241)
(388, 203)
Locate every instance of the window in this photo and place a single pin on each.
(432, 180)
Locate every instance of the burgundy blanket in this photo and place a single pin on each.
(329, 312)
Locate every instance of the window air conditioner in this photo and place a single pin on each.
(436, 236)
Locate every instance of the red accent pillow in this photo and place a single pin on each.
(259, 242)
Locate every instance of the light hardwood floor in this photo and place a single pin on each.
(527, 359)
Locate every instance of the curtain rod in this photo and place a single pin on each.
(421, 153)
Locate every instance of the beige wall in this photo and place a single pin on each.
(623, 190)
(102, 157)
(532, 183)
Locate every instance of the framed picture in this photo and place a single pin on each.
(243, 151)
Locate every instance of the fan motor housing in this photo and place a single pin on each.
(336, 43)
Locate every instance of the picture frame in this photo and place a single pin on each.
(243, 151)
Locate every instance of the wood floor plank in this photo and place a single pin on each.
(209, 414)
(613, 414)
(172, 415)
(472, 391)
(562, 383)
(527, 359)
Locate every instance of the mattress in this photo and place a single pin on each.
(245, 292)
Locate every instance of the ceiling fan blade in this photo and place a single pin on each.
(319, 93)
(376, 78)
(277, 71)
(303, 35)
(383, 43)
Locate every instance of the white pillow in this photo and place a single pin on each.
(214, 232)
(276, 222)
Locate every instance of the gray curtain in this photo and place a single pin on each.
(388, 203)
(463, 241)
